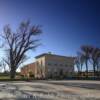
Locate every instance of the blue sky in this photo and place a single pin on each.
(66, 24)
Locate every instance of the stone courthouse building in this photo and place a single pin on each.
(49, 65)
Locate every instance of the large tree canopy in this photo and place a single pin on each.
(18, 43)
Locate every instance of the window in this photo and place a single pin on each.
(66, 65)
(55, 70)
(61, 65)
(61, 72)
(71, 65)
(37, 64)
(41, 63)
(55, 64)
(49, 70)
(49, 64)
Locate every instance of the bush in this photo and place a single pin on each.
(31, 76)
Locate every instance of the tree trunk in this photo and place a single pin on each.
(81, 67)
(12, 73)
(98, 73)
(94, 69)
(81, 70)
(86, 69)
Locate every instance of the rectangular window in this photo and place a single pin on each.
(55, 64)
(49, 64)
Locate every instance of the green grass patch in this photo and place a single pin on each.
(4, 77)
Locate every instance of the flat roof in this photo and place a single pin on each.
(27, 65)
(47, 54)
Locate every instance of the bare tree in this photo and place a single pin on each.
(79, 61)
(85, 53)
(18, 43)
(98, 67)
(95, 56)
(94, 59)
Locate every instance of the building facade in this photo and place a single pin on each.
(28, 70)
(50, 65)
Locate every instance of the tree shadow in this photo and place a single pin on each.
(23, 94)
(80, 85)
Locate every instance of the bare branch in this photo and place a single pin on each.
(19, 42)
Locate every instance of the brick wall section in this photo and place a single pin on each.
(27, 69)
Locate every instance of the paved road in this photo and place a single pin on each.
(50, 90)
